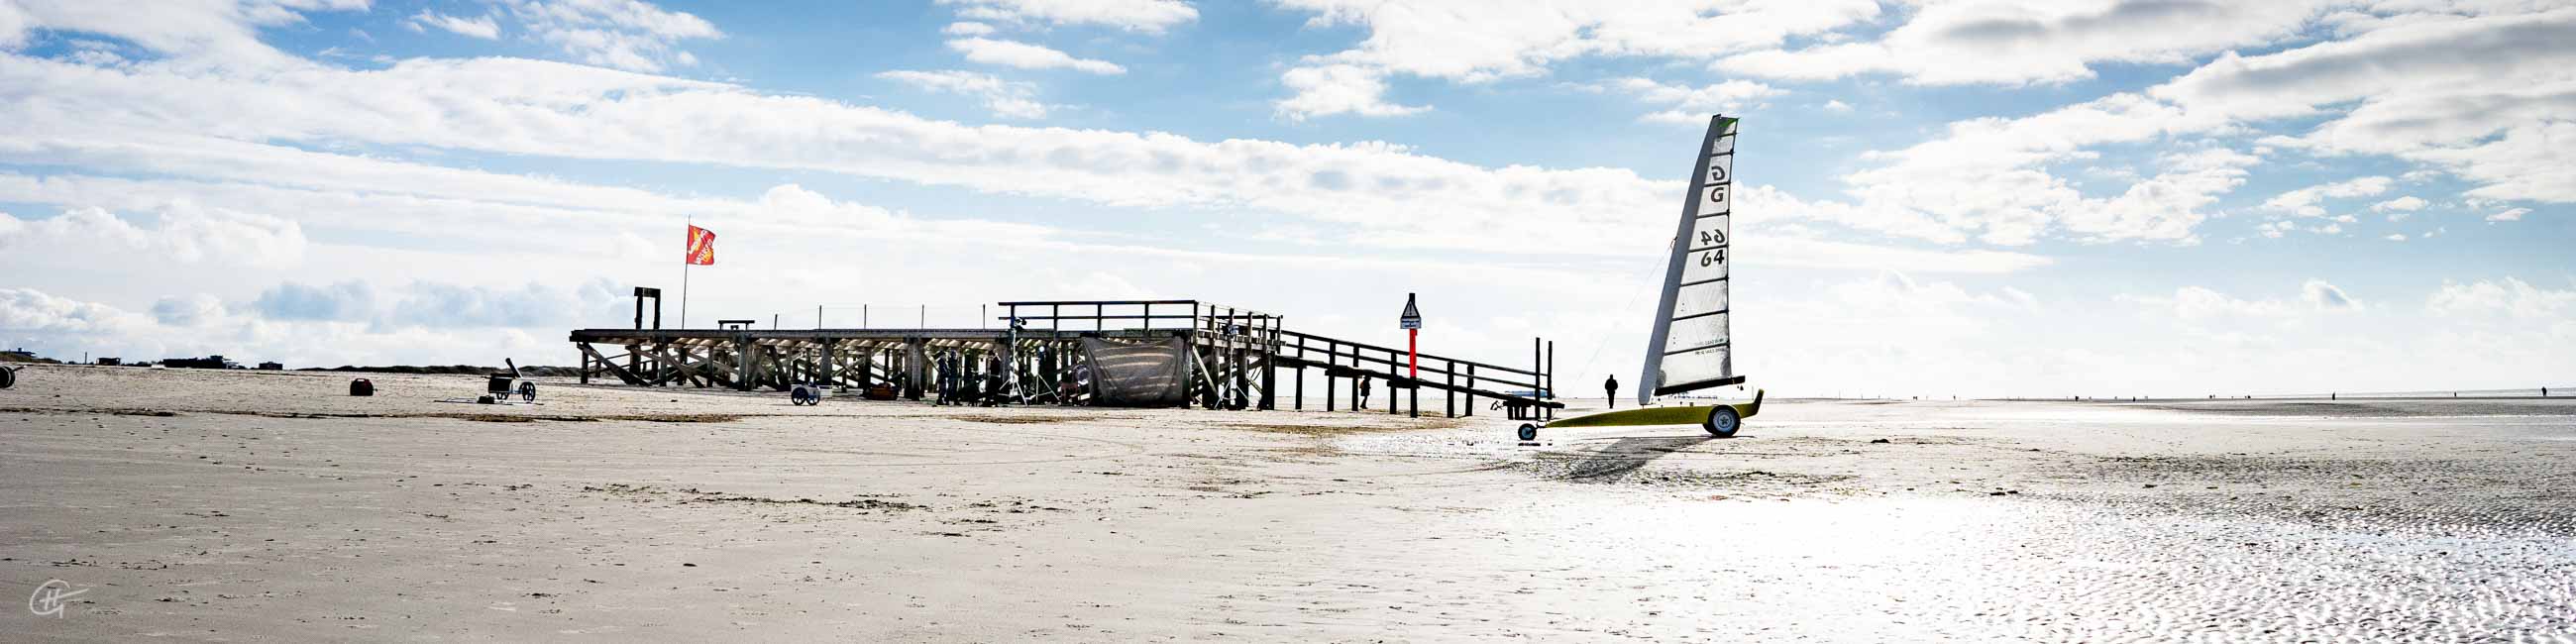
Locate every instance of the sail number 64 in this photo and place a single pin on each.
(1712, 258)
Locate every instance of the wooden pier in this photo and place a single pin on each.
(1236, 359)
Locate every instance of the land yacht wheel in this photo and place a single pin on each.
(1529, 432)
(1723, 421)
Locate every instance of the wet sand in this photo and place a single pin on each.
(238, 506)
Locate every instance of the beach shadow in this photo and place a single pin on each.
(1627, 454)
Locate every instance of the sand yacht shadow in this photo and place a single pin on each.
(1627, 454)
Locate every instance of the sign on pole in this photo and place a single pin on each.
(1412, 324)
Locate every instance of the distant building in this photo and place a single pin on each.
(18, 354)
(208, 362)
(110, 362)
(271, 366)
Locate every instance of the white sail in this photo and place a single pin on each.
(1689, 349)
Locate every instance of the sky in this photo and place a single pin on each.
(1979, 198)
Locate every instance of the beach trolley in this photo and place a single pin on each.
(806, 394)
(503, 385)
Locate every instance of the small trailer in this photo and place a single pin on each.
(502, 386)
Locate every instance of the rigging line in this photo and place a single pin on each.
(1642, 286)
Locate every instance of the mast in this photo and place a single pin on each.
(1689, 349)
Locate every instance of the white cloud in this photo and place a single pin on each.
(2395, 237)
(1991, 174)
(2304, 201)
(2324, 296)
(1981, 184)
(1150, 16)
(342, 302)
(1689, 105)
(2407, 203)
(13, 27)
(2164, 207)
(184, 233)
(626, 34)
(1005, 98)
(207, 33)
(31, 311)
(1837, 106)
(2205, 305)
(1377, 194)
(1338, 89)
(428, 304)
(188, 311)
(2508, 300)
(2512, 214)
(2021, 41)
(2502, 81)
(967, 29)
(483, 27)
(1480, 41)
(1013, 53)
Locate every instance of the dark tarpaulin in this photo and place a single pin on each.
(1138, 374)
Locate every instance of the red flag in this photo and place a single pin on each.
(702, 246)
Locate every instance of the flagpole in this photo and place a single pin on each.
(684, 275)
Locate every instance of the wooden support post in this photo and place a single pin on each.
(1328, 384)
(586, 351)
(916, 363)
(829, 344)
(1549, 413)
(743, 358)
(1449, 398)
(1270, 382)
(1301, 389)
(1471, 390)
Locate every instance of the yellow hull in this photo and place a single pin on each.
(1683, 415)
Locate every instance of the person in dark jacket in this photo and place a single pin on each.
(947, 380)
(996, 378)
(1610, 390)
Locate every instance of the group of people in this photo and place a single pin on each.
(958, 384)
(957, 381)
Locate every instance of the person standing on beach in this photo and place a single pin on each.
(1610, 390)
(947, 380)
(996, 377)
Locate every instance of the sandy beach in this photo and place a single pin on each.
(248, 506)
